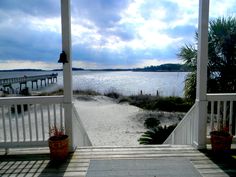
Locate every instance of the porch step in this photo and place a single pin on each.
(36, 161)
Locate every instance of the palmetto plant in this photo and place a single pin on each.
(221, 55)
(156, 135)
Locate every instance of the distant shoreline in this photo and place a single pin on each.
(160, 68)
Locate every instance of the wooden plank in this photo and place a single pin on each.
(31, 163)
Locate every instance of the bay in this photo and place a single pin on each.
(123, 82)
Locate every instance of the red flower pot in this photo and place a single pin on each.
(221, 143)
(58, 148)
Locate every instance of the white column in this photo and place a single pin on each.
(67, 69)
(202, 61)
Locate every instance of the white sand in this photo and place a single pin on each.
(108, 123)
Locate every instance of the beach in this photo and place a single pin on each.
(109, 123)
(106, 121)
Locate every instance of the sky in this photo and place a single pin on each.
(105, 33)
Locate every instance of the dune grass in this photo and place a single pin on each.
(147, 102)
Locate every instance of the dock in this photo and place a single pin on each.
(22, 81)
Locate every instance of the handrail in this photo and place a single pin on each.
(184, 132)
(31, 100)
(25, 121)
(221, 97)
(220, 114)
(82, 138)
(26, 78)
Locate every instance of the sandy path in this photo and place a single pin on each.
(108, 123)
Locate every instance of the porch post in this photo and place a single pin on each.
(202, 61)
(67, 69)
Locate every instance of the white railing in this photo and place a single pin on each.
(222, 112)
(185, 132)
(81, 137)
(25, 121)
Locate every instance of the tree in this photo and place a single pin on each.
(221, 55)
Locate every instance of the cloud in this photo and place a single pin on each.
(28, 37)
(42, 8)
(105, 33)
(102, 13)
(22, 64)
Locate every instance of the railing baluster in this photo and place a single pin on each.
(10, 123)
(42, 121)
(218, 115)
(36, 122)
(4, 125)
(49, 117)
(23, 120)
(231, 117)
(212, 116)
(224, 114)
(29, 119)
(55, 117)
(235, 119)
(61, 117)
(17, 124)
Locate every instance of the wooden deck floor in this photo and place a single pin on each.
(31, 162)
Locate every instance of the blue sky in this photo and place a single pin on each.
(105, 33)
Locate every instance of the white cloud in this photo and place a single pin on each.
(27, 64)
(52, 24)
(219, 8)
(143, 29)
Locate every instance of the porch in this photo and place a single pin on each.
(24, 123)
(32, 162)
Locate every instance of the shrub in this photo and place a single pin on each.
(151, 122)
(161, 103)
(113, 94)
(156, 135)
(86, 92)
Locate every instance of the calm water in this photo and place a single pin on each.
(127, 82)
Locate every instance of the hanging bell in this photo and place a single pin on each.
(63, 58)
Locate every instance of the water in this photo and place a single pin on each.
(125, 82)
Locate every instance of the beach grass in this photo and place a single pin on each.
(147, 102)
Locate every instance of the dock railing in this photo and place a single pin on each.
(25, 121)
(8, 81)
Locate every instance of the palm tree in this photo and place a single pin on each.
(222, 58)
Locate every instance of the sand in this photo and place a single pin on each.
(109, 123)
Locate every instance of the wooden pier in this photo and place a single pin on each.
(22, 81)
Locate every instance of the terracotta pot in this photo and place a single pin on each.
(58, 148)
(221, 143)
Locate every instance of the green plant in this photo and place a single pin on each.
(112, 94)
(221, 55)
(151, 122)
(86, 92)
(156, 135)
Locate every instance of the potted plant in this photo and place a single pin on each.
(221, 140)
(58, 144)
